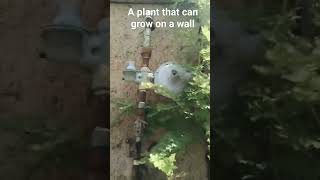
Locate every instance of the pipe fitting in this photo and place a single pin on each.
(67, 41)
(141, 105)
(146, 55)
(100, 137)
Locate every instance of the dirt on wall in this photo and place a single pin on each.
(168, 45)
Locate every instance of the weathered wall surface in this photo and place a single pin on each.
(168, 45)
(27, 83)
(30, 86)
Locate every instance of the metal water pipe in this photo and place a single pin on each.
(67, 41)
(169, 75)
(140, 122)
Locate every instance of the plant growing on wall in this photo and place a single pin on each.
(185, 117)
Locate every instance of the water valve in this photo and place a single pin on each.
(130, 74)
(144, 75)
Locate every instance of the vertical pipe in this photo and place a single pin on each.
(68, 13)
(140, 122)
(147, 38)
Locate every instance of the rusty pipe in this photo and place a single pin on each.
(140, 122)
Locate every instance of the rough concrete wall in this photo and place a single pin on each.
(126, 45)
(30, 86)
(27, 83)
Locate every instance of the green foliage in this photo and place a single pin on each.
(283, 104)
(185, 117)
(163, 155)
(293, 65)
(163, 162)
(126, 108)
